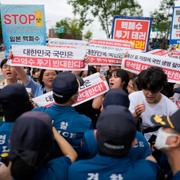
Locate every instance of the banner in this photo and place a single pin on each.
(162, 52)
(175, 27)
(23, 24)
(107, 52)
(135, 62)
(68, 43)
(48, 57)
(132, 29)
(93, 86)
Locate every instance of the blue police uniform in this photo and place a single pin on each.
(54, 169)
(176, 176)
(111, 168)
(69, 123)
(140, 151)
(5, 130)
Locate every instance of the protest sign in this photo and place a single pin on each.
(69, 43)
(23, 24)
(135, 62)
(93, 86)
(48, 57)
(107, 52)
(167, 53)
(132, 29)
(175, 27)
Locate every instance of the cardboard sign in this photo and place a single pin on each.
(48, 57)
(23, 24)
(107, 52)
(93, 86)
(135, 62)
(132, 29)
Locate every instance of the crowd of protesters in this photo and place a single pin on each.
(130, 133)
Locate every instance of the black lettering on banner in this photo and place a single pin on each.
(176, 65)
(70, 54)
(156, 61)
(49, 98)
(130, 56)
(166, 63)
(87, 83)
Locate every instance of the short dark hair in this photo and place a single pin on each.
(4, 61)
(42, 71)
(153, 79)
(121, 73)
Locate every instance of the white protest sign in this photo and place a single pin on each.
(135, 62)
(93, 86)
(48, 57)
(107, 52)
(162, 52)
(44, 100)
(112, 42)
(69, 43)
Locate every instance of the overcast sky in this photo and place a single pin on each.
(56, 10)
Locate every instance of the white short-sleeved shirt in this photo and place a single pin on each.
(164, 107)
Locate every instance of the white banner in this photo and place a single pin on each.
(112, 42)
(107, 52)
(162, 52)
(135, 62)
(48, 57)
(93, 86)
(68, 43)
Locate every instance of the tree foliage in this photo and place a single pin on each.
(104, 10)
(72, 29)
(161, 22)
(88, 35)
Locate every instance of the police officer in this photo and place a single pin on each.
(114, 142)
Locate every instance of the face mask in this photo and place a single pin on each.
(161, 139)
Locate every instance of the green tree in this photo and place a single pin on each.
(161, 18)
(72, 29)
(88, 35)
(104, 10)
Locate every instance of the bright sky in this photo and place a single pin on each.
(56, 10)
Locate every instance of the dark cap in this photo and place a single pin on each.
(116, 97)
(172, 121)
(65, 85)
(4, 61)
(116, 130)
(31, 137)
(13, 92)
(15, 101)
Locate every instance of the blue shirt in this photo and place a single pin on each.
(56, 169)
(176, 176)
(111, 168)
(5, 130)
(140, 151)
(69, 123)
(35, 87)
